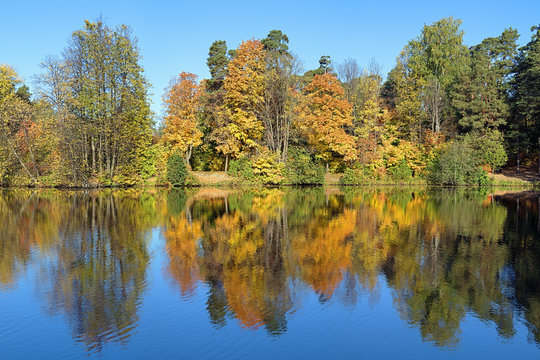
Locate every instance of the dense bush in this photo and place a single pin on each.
(351, 177)
(489, 148)
(267, 168)
(400, 172)
(241, 168)
(301, 169)
(176, 169)
(457, 164)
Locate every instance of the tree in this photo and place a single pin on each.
(105, 117)
(182, 99)
(482, 91)
(217, 64)
(281, 87)
(17, 122)
(526, 93)
(244, 97)
(433, 62)
(323, 118)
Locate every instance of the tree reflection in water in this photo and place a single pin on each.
(444, 254)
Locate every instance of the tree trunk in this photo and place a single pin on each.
(18, 158)
(517, 160)
(188, 156)
(31, 152)
(226, 163)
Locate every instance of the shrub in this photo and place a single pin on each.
(241, 168)
(400, 172)
(457, 164)
(267, 168)
(301, 169)
(176, 169)
(489, 148)
(351, 177)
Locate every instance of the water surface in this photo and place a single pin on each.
(272, 273)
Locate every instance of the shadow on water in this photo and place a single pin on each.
(444, 254)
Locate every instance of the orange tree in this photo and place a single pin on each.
(183, 106)
(323, 118)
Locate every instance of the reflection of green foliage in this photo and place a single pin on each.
(176, 201)
(445, 253)
(95, 255)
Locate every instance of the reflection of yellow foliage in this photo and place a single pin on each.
(245, 294)
(182, 238)
(324, 251)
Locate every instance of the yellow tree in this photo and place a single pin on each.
(244, 94)
(323, 119)
(183, 106)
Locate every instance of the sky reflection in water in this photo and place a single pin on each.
(275, 272)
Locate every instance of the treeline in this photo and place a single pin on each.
(446, 112)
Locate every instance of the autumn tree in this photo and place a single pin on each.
(323, 117)
(182, 100)
(244, 97)
(19, 128)
(107, 119)
(281, 86)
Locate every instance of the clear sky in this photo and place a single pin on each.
(174, 36)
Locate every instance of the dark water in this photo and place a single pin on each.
(311, 273)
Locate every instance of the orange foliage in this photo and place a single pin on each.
(183, 105)
(244, 90)
(323, 117)
(182, 238)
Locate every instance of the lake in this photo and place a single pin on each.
(270, 273)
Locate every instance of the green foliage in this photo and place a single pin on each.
(301, 169)
(400, 172)
(489, 148)
(176, 201)
(352, 176)
(525, 127)
(457, 164)
(241, 168)
(150, 161)
(176, 169)
(217, 64)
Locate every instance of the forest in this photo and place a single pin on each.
(447, 113)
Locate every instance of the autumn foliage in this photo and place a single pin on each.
(181, 122)
(324, 116)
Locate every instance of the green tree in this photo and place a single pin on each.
(481, 97)
(525, 126)
(217, 64)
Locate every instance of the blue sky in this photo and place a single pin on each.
(174, 36)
